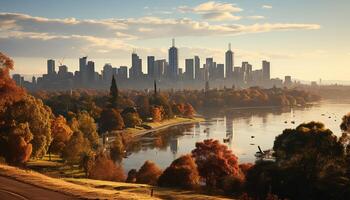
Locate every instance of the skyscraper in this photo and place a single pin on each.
(189, 69)
(150, 67)
(136, 67)
(173, 61)
(82, 69)
(51, 67)
(266, 70)
(90, 70)
(159, 67)
(197, 66)
(229, 62)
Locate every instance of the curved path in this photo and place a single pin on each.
(11, 189)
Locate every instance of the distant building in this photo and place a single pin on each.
(150, 67)
(51, 67)
(197, 66)
(90, 70)
(122, 73)
(159, 69)
(220, 71)
(173, 62)
(266, 70)
(17, 78)
(82, 70)
(288, 81)
(107, 73)
(189, 69)
(229, 62)
(135, 71)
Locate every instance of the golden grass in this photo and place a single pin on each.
(59, 185)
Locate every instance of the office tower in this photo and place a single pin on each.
(229, 62)
(210, 67)
(90, 69)
(189, 69)
(51, 67)
(197, 66)
(136, 67)
(288, 81)
(82, 70)
(266, 70)
(122, 73)
(159, 68)
(173, 61)
(150, 67)
(17, 78)
(107, 73)
(220, 71)
(33, 80)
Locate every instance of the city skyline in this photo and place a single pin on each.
(298, 44)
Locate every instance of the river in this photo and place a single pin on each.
(245, 128)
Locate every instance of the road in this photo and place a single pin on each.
(11, 189)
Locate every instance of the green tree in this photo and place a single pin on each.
(86, 124)
(114, 94)
(76, 148)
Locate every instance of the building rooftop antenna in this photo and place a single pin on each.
(173, 42)
(229, 46)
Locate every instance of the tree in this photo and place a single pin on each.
(114, 94)
(181, 173)
(10, 92)
(188, 110)
(148, 173)
(76, 147)
(105, 169)
(143, 105)
(86, 124)
(111, 120)
(38, 116)
(19, 147)
(61, 133)
(156, 113)
(215, 162)
(131, 176)
(117, 148)
(345, 125)
(132, 119)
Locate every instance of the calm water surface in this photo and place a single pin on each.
(264, 124)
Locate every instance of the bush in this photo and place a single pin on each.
(148, 173)
(181, 173)
(105, 169)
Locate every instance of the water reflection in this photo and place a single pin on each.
(242, 130)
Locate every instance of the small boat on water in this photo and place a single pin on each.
(266, 154)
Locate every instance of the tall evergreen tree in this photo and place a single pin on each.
(155, 88)
(114, 93)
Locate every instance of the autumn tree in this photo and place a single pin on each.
(76, 147)
(215, 162)
(61, 133)
(86, 124)
(131, 119)
(156, 113)
(117, 148)
(148, 173)
(188, 110)
(181, 173)
(38, 116)
(111, 120)
(144, 107)
(105, 169)
(131, 176)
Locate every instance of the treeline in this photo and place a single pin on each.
(251, 97)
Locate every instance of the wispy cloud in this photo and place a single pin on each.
(256, 17)
(215, 11)
(266, 6)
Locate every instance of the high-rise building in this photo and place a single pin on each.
(197, 66)
(122, 73)
(173, 61)
(83, 70)
(189, 69)
(266, 70)
(90, 70)
(51, 67)
(150, 67)
(159, 68)
(136, 67)
(288, 81)
(18, 79)
(229, 62)
(220, 71)
(107, 73)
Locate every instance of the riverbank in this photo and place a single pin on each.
(134, 133)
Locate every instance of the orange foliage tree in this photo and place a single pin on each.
(189, 110)
(111, 120)
(105, 169)
(20, 148)
(215, 162)
(181, 173)
(61, 134)
(156, 113)
(148, 173)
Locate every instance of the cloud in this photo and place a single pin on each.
(266, 6)
(256, 17)
(215, 11)
(25, 35)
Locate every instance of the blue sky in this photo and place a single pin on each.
(299, 37)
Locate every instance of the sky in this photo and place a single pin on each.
(305, 39)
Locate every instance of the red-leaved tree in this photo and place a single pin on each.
(148, 173)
